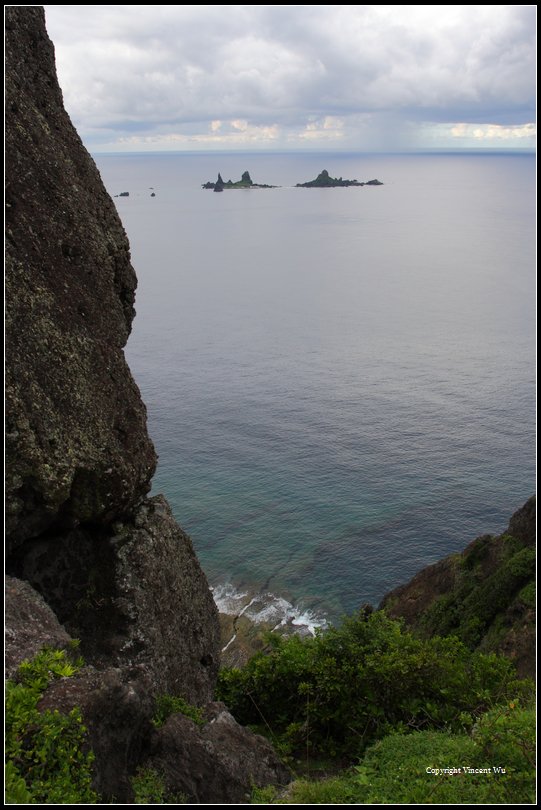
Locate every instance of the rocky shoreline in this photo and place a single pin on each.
(247, 616)
(482, 595)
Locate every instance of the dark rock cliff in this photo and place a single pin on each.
(77, 445)
(485, 595)
(90, 556)
(79, 459)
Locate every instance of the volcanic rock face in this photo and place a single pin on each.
(134, 595)
(116, 568)
(77, 445)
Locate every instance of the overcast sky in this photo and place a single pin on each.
(297, 77)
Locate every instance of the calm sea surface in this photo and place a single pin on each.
(339, 382)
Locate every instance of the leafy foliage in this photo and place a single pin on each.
(337, 693)
(527, 595)
(264, 795)
(166, 705)
(48, 761)
(149, 788)
(340, 789)
(507, 736)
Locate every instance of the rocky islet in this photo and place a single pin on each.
(323, 180)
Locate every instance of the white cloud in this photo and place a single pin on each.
(228, 134)
(330, 128)
(164, 71)
(494, 132)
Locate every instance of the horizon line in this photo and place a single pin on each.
(426, 151)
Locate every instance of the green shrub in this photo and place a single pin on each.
(494, 765)
(527, 595)
(48, 761)
(340, 789)
(16, 790)
(476, 600)
(337, 693)
(149, 788)
(497, 592)
(166, 705)
(264, 795)
(506, 735)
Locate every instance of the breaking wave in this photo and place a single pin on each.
(267, 608)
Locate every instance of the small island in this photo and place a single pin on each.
(324, 180)
(244, 182)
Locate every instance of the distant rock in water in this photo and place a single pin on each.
(124, 194)
(153, 194)
(324, 180)
(244, 182)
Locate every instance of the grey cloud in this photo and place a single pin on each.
(157, 67)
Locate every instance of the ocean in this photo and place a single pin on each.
(340, 382)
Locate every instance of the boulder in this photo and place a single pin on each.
(30, 625)
(134, 595)
(170, 619)
(117, 715)
(218, 763)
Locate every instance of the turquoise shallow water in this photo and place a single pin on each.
(340, 382)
